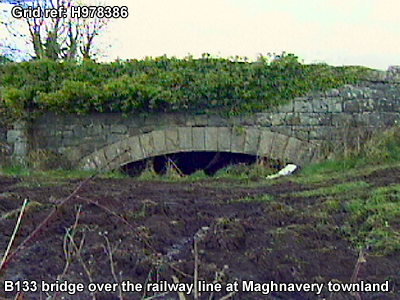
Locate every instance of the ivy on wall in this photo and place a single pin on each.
(163, 84)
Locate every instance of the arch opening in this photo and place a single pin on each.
(190, 162)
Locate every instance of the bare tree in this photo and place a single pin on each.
(90, 30)
(60, 38)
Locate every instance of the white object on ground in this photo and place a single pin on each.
(289, 169)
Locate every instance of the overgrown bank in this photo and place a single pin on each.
(163, 84)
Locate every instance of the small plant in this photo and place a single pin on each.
(148, 174)
(44, 160)
(246, 171)
(335, 189)
(254, 199)
(374, 216)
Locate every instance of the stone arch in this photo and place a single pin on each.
(246, 140)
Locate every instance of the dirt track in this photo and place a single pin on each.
(151, 227)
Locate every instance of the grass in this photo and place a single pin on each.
(370, 215)
(346, 187)
(375, 220)
(254, 199)
(367, 216)
(57, 175)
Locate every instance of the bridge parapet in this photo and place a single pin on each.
(335, 116)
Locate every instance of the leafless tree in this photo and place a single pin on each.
(60, 38)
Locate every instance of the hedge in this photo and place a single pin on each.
(163, 84)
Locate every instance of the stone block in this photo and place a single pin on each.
(248, 120)
(217, 121)
(100, 159)
(251, 141)
(147, 142)
(341, 119)
(115, 137)
(177, 119)
(319, 105)
(134, 130)
(332, 93)
(303, 104)
(279, 145)
(159, 119)
(352, 106)
(367, 92)
(159, 142)
(293, 119)
(349, 92)
(384, 105)
(152, 120)
(322, 133)
(376, 75)
(72, 141)
(73, 154)
(305, 154)
(89, 164)
(120, 129)
(323, 119)
(378, 95)
(79, 131)
(368, 105)
(20, 148)
(224, 139)
(263, 119)
(286, 108)
(97, 142)
(315, 95)
(97, 130)
(199, 120)
(14, 135)
(135, 148)
(124, 146)
(147, 128)
(286, 130)
(185, 138)
(20, 125)
(172, 140)
(238, 137)
(266, 143)
(393, 74)
(334, 104)
(234, 120)
(211, 138)
(112, 151)
(278, 119)
(292, 150)
(122, 159)
(198, 138)
(300, 134)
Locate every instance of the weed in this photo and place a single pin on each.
(254, 199)
(374, 219)
(336, 189)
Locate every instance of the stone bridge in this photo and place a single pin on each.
(301, 131)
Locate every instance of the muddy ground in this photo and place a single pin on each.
(150, 229)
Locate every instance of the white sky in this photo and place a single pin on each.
(339, 32)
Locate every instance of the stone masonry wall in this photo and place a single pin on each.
(350, 112)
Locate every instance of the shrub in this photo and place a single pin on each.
(163, 84)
